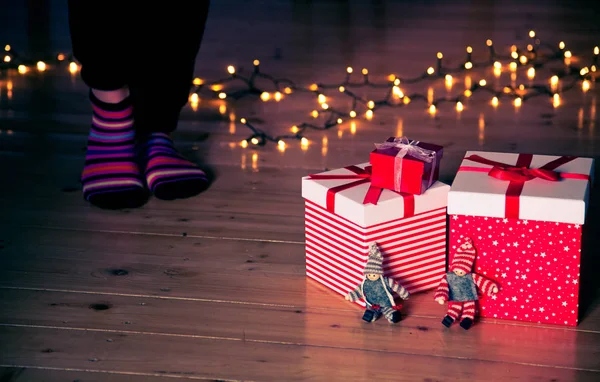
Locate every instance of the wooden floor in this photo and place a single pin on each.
(214, 288)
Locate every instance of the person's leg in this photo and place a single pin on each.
(99, 34)
(165, 59)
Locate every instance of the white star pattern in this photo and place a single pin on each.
(531, 293)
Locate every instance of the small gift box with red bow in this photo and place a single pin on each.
(345, 213)
(524, 214)
(403, 165)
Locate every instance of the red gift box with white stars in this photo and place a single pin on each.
(524, 214)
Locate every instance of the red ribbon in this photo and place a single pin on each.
(373, 193)
(520, 173)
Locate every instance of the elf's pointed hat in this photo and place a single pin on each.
(464, 257)
(374, 261)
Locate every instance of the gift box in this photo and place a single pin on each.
(407, 166)
(345, 213)
(524, 214)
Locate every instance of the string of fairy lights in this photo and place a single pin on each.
(534, 56)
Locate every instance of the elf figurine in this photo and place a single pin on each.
(459, 287)
(377, 290)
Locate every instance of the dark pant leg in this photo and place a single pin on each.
(100, 38)
(167, 40)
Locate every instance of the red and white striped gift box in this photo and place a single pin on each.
(340, 224)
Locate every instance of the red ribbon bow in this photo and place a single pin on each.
(361, 176)
(520, 173)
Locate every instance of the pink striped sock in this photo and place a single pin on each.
(111, 177)
(168, 174)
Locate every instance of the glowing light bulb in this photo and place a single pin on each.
(339, 121)
(448, 78)
(254, 141)
(468, 93)
(523, 60)
(397, 81)
(342, 89)
(497, 72)
(287, 90)
(561, 45)
(392, 77)
(352, 127)
(230, 69)
(488, 42)
(324, 106)
(244, 143)
(512, 66)
(514, 55)
(294, 129)
(265, 96)
(304, 143)
(596, 50)
(7, 47)
(349, 70)
(60, 57)
(459, 106)
(556, 100)
(497, 65)
(243, 121)
(554, 80)
(430, 70)
(584, 71)
(256, 62)
(370, 104)
(7, 58)
(365, 71)
(73, 67)
(518, 102)
(482, 82)
(585, 85)
(222, 109)
(222, 95)
(321, 98)
(469, 49)
(314, 87)
(531, 73)
(529, 48)
(352, 114)
(22, 69)
(314, 114)
(194, 98)
(568, 54)
(397, 92)
(432, 109)
(198, 81)
(531, 34)
(406, 100)
(41, 66)
(278, 96)
(439, 55)
(468, 65)
(281, 145)
(216, 87)
(593, 68)
(369, 114)
(495, 101)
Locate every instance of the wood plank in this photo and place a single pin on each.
(51, 374)
(309, 327)
(241, 359)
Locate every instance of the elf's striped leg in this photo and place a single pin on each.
(391, 314)
(468, 315)
(454, 310)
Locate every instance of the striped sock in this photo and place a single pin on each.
(168, 174)
(111, 177)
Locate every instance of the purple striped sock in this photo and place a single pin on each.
(111, 177)
(168, 174)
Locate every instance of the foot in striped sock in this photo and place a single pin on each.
(111, 177)
(168, 174)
